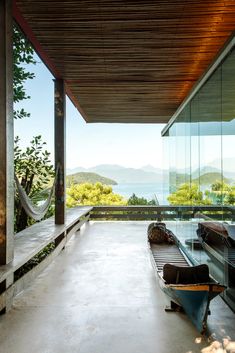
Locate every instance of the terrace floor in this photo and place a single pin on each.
(100, 296)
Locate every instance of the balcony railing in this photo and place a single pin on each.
(158, 213)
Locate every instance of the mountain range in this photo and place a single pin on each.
(123, 175)
(150, 174)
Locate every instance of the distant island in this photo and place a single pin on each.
(84, 177)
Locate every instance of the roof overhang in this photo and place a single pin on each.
(127, 61)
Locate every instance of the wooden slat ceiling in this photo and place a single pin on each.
(130, 61)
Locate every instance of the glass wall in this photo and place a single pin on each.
(201, 156)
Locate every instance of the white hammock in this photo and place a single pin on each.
(32, 210)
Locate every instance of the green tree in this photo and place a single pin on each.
(221, 193)
(32, 166)
(230, 197)
(188, 194)
(23, 54)
(34, 170)
(135, 200)
(92, 194)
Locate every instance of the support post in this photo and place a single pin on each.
(6, 134)
(60, 152)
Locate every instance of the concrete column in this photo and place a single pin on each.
(6, 135)
(60, 149)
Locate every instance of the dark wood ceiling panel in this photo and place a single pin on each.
(129, 60)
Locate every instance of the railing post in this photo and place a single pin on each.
(232, 210)
(60, 144)
(179, 212)
(159, 215)
(6, 135)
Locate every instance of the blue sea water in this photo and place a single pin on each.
(147, 191)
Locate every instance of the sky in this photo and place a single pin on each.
(129, 145)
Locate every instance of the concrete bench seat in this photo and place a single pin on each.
(31, 241)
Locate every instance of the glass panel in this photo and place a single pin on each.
(228, 153)
(172, 158)
(201, 153)
(210, 139)
(183, 148)
(195, 144)
(166, 168)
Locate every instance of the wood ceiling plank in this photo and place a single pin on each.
(126, 60)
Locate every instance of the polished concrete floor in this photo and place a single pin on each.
(100, 296)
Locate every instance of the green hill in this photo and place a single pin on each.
(210, 178)
(83, 177)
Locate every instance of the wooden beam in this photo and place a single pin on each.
(6, 135)
(60, 131)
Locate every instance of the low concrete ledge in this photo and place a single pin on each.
(29, 243)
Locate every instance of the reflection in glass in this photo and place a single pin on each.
(201, 153)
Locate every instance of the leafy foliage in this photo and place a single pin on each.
(34, 170)
(23, 54)
(221, 193)
(92, 194)
(32, 166)
(135, 200)
(188, 194)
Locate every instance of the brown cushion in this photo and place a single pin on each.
(186, 275)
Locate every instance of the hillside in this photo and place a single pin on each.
(180, 178)
(210, 178)
(123, 175)
(83, 177)
(150, 168)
